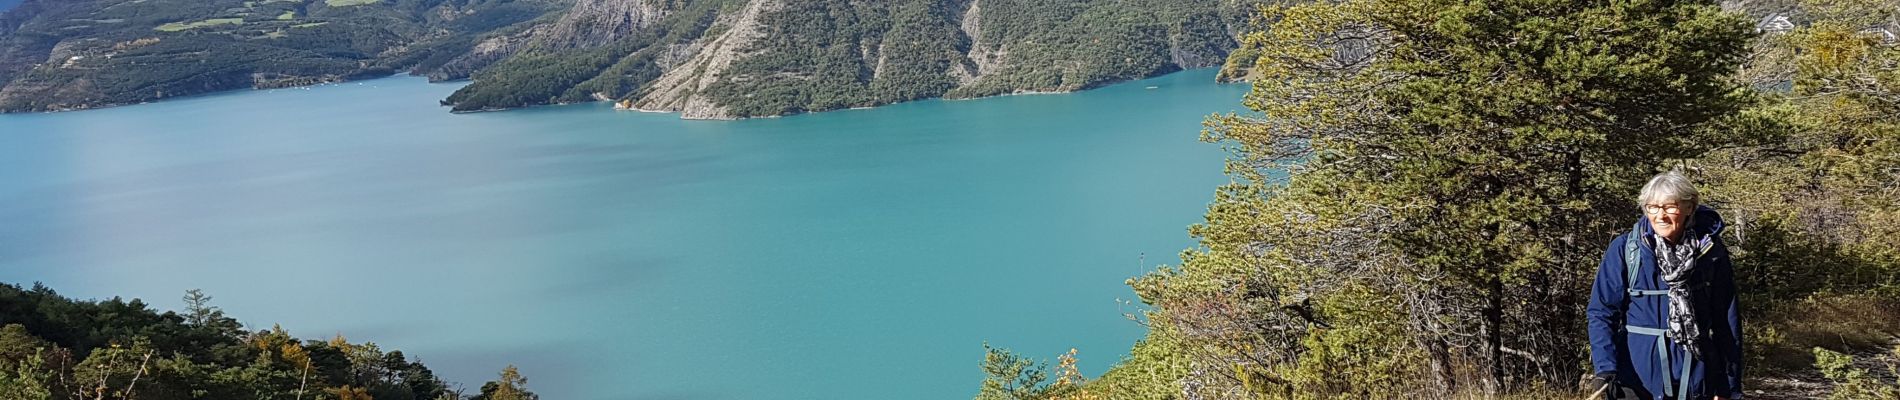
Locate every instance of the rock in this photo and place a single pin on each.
(592, 23)
(679, 89)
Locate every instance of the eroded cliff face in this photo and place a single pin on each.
(594, 23)
(980, 58)
(681, 87)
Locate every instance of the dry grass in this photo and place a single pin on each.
(1535, 394)
(1783, 341)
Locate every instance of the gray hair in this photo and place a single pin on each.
(1670, 186)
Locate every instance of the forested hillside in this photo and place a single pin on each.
(52, 347)
(734, 59)
(1424, 190)
(704, 58)
(61, 55)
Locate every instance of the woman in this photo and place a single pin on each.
(1663, 317)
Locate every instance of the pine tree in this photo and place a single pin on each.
(1009, 376)
(1817, 210)
(511, 386)
(1427, 187)
(209, 319)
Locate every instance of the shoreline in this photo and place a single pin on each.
(210, 93)
(597, 98)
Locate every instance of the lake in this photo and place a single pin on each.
(859, 254)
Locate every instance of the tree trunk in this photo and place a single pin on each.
(1494, 334)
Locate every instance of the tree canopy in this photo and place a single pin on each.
(1424, 190)
(55, 348)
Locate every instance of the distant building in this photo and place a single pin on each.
(1774, 23)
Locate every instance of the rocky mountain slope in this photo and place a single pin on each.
(714, 59)
(722, 59)
(76, 54)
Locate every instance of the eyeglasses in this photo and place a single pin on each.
(1654, 209)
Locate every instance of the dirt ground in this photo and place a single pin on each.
(1809, 384)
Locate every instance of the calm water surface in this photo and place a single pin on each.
(863, 254)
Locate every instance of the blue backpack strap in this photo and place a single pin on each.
(1662, 355)
(1662, 352)
(1682, 390)
(1632, 262)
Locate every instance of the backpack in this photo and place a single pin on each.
(1631, 263)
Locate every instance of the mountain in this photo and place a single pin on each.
(76, 54)
(723, 59)
(707, 59)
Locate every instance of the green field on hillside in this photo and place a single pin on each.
(176, 26)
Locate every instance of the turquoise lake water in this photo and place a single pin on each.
(861, 254)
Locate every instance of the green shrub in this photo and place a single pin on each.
(1855, 383)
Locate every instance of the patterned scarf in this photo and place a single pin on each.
(1678, 265)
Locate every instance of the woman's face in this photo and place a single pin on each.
(1669, 219)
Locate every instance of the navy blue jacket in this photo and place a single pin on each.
(1632, 357)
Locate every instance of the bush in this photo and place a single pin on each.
(1855, 383)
